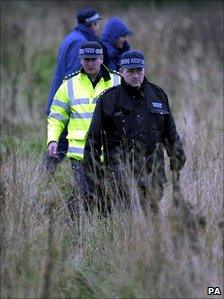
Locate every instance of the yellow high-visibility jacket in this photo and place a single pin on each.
(73, 106)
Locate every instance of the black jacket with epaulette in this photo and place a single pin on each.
(130, 122)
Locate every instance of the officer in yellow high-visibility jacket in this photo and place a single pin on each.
(74, 103)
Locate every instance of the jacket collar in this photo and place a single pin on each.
(132, 90)
(104, 72)
(134, 95)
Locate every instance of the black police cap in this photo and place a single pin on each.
(132, 59)
(87, 16)
(90, 50)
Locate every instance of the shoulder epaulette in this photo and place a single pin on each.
(156, 87)
(107, 90)
(159, 89)
(71, 75)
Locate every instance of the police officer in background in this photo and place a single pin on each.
(73, 106)
(68, 62)
(129, 122)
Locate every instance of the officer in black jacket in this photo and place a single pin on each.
(130, 123)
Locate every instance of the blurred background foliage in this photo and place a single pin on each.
(179, 38)
(182, 42)
(121, 256)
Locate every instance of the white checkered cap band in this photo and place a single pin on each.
(133, 61)
(90, 51)
(92, 19)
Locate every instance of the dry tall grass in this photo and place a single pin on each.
(177, 253)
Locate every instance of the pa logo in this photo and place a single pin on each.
(214, 291)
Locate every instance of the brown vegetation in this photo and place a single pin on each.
(176, 253)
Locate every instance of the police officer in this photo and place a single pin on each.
(74, 103)
(130, 122)
(68, 62)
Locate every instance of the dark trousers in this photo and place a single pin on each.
(82, 197)
(116, 190)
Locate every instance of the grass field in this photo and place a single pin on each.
(176, 253)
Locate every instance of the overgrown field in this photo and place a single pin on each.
(176, 253)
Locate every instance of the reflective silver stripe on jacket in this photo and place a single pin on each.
(116, 80)
(75, 150)
(81, 101)
(76, 115)
(58, 116)
(70, 90)
(61, 104)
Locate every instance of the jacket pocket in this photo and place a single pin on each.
(158, 117)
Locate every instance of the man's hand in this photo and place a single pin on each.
(52, 148)
(177, 161)
(177, 158)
